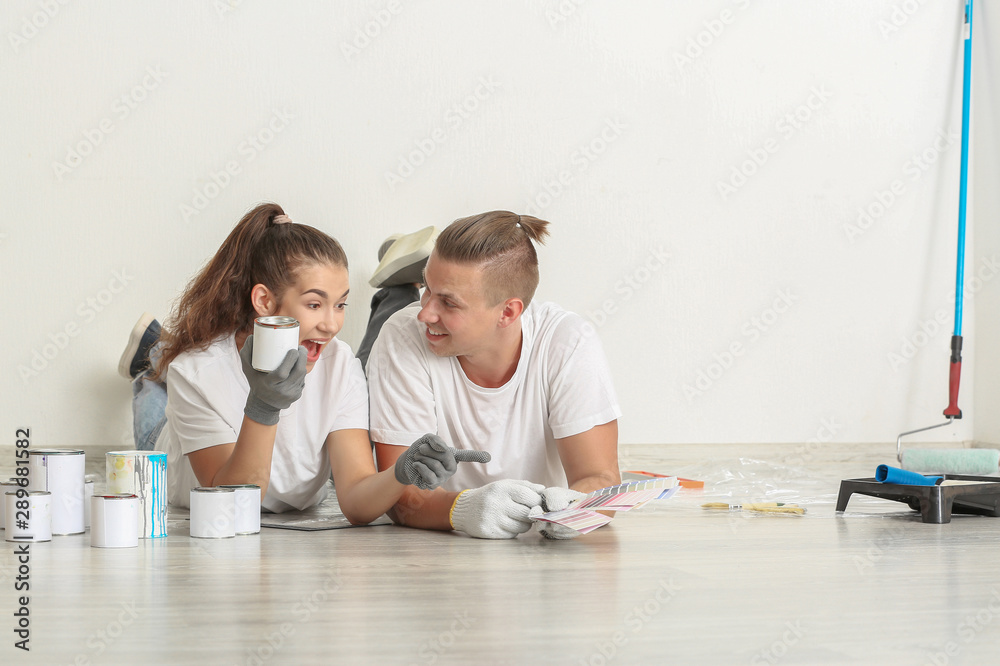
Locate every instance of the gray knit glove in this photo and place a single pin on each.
(429, 462)
(557, 499)
(498, 510)
(270, 392)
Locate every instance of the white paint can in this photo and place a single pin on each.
(213, 513)
(247, 507)
(116, 521)
(272, 338)
(6, 487)
(28, 515)
(60, 472)
(143, 474)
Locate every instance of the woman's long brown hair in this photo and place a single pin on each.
(257, 251)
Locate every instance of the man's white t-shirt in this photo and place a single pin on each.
(206, 393)
(562, 387)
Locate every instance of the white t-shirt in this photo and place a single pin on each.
(562, 387)
(206, 393)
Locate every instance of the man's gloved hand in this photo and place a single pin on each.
(429, 462)
(498, 510)
(270, 392)
(557, 499)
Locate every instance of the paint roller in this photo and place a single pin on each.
(954, 461)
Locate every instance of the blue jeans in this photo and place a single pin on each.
(149, 404)
(385, 303)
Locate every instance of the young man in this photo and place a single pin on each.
(480, 365)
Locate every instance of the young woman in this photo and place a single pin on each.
(227, 423)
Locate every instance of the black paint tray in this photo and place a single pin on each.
(935, 503)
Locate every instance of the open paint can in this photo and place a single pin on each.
(115, 521)
(60, 472)
(28, 515)
(247, 507)
(143, 474)
(273, 337)
(213, 513)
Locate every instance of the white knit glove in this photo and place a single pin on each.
(557, 499)
(498, 510)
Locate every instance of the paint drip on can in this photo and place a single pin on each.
(143, 474)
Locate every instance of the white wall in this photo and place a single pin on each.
(986, 170)
(618, 122)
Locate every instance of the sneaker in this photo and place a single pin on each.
(402, 258)
(135, 358)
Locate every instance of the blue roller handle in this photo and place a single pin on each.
(886, 474)
(964, 178)
(953, 411)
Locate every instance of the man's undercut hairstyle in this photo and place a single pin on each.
(499, 243)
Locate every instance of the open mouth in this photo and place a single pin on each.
(313, 349)
(434, 336)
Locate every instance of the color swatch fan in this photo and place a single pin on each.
(582, 515)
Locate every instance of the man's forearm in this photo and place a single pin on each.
(424, 509)
(596, 481)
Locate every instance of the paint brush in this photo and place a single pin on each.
(759, 507)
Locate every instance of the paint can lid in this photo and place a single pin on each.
(277, 321)
(55, 452)
(213, 489)
(240, 485)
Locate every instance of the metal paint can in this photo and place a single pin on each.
(28, 515)
(116, 521)
(143, 474)
(247, 507)
(60, 472)
(213, 513)
(272, 338)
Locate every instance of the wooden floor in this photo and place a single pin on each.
(669, 583)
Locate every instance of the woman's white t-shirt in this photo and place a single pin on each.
(562, 387)
(206, 393)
